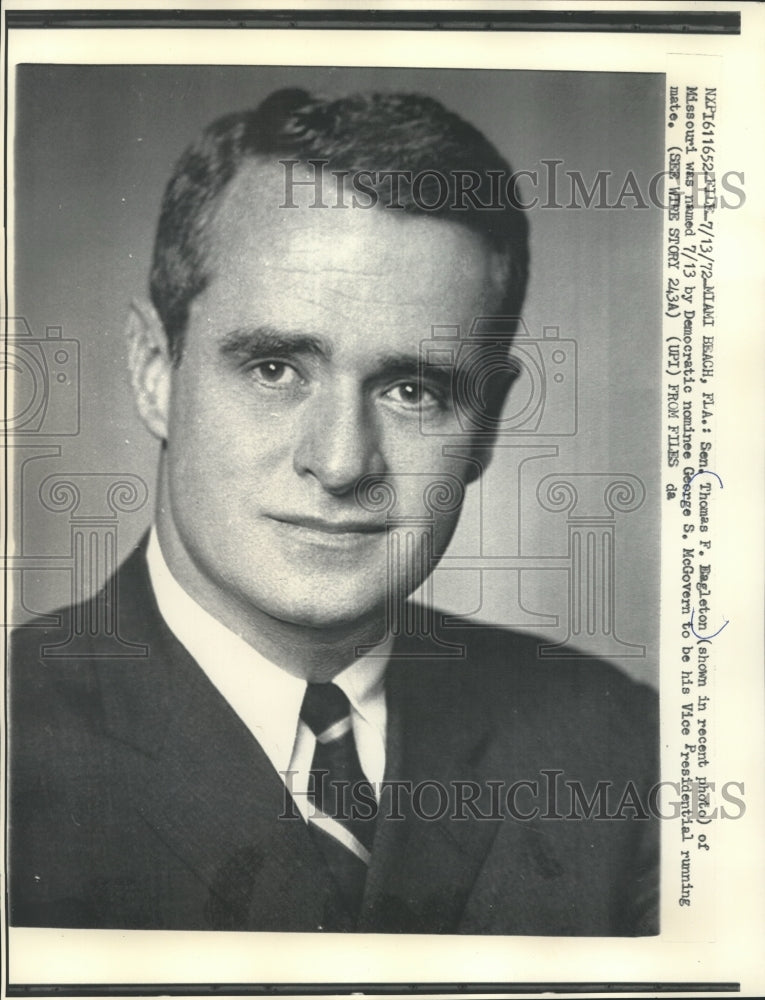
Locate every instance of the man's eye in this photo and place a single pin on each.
(275, 373)
(413, 395)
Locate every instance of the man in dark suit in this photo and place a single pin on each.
(280, 753)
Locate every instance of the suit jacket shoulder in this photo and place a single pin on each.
(551, 763)
(590, 706)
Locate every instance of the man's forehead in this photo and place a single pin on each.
(255, 215)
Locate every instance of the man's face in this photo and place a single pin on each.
(299, 376)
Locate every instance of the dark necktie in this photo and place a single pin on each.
(339, 820)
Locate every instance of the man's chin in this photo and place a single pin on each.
(338, 616)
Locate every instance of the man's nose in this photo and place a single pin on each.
(338, 443)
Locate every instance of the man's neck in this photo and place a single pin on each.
(313, 654)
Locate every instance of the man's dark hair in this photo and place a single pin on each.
(361, 132)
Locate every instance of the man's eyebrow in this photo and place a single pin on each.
(260, 341)
(408, 365)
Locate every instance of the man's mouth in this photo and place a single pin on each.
(329, 526)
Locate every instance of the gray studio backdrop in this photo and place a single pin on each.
(561, 536)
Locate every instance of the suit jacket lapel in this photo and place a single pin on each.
(208, 790)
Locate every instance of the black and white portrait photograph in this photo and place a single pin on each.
(344, 405)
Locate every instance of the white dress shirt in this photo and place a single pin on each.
(265, 697)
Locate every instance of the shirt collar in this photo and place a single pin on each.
(265, 696)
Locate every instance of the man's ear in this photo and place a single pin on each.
(150, 367)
